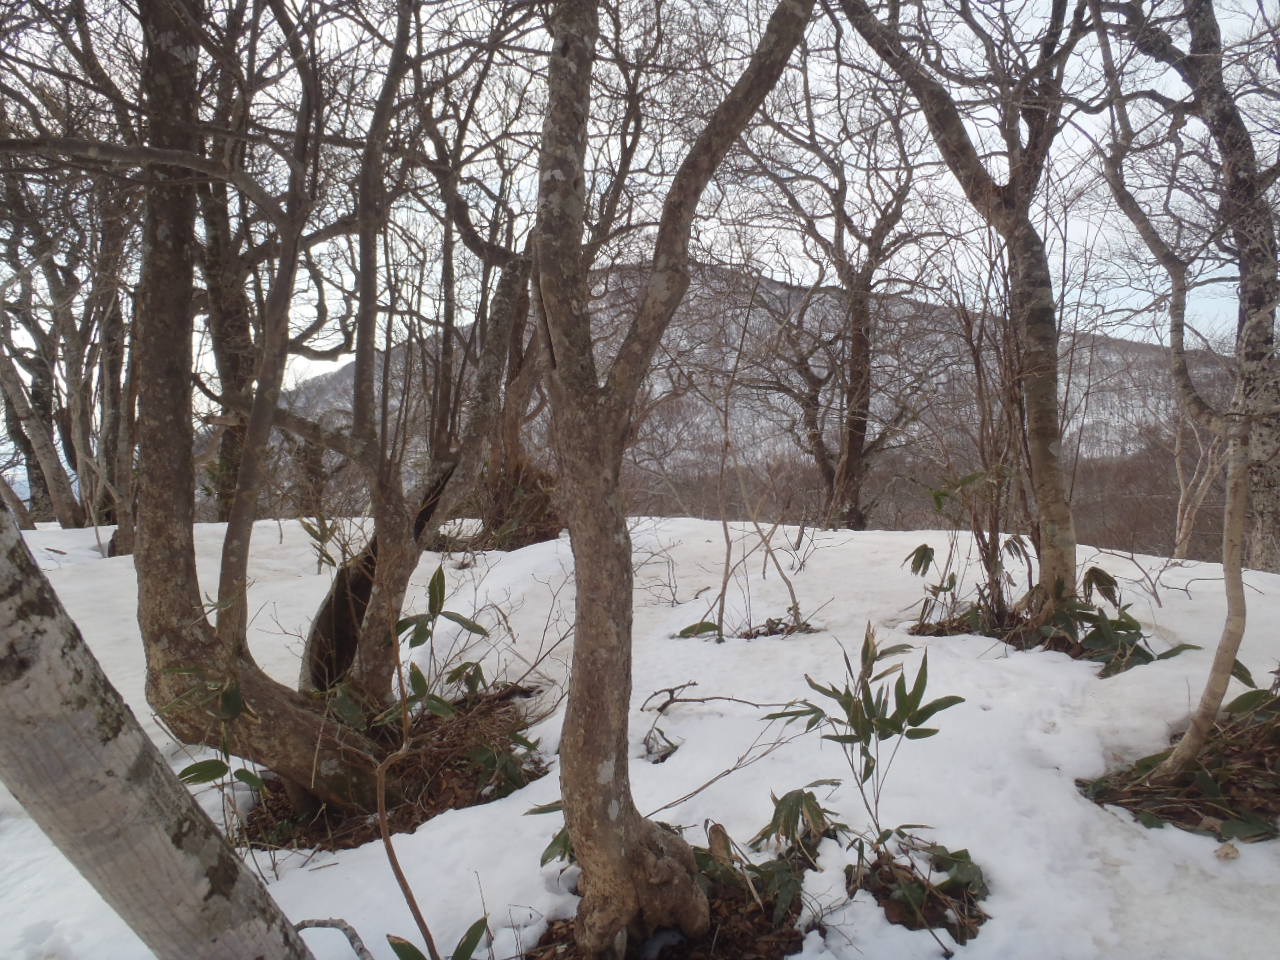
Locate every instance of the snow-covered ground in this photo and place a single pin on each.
(1068, 879)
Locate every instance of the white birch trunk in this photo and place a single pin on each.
(1233, 544)
(79, 763)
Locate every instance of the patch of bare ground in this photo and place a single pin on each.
(1232, 793)
(475, 755)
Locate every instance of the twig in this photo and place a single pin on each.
(353, 938)
(742, 762)
(385, 829)
(673, 697)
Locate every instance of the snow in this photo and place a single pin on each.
(1069, 880)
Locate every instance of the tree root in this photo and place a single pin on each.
(656, 886)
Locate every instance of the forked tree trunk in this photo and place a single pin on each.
(636, 876)
(40, 507)
(66, 508)
(1031, 118)
(82, 767)
(192, 674)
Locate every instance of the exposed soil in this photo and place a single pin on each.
(740, 930)
(1232, 794)
(469, 758)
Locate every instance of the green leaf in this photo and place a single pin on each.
(698, 629)
(439, 706)
(1241, 673)
(417, 682)
(435, 593)
(404, 623)
(920, 733)
(403, 949)
(471, 939)
(422, 632)
(523, 741)
(555, 806)
(1248, 701)
(847, 738)
(421, 624)
(348, 711)
(466, 624)
(1095, 578)
(249, 777)
(917, 690)
(1144, 765)
(203, 771)
(1248, 828)
(1149, 820)
(560, 848)
(1206, 784)
(934, 706)
(900, 699)
(921, 558)
(1180, 648)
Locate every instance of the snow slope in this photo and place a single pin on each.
(1069, 880)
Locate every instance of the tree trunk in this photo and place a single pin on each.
(190, 670)
(846, 498)
(230, 336)
(21, 516)
(85, 771)
(637, 876)
(1032, 305)
(1233, 544)
(39, 504)
(1246, 211)
(1030, 119)
(344, 638)
(44, 450)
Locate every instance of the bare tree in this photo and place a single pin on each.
(1245, 215)
(1251, 424)
(1017, 73)
(634, 872)
(843, 169)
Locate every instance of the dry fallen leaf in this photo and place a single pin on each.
(1228, 851)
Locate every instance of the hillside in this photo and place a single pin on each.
(1068, 880)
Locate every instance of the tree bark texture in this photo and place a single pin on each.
(57, 485)
(82, 767)
(1032, 304)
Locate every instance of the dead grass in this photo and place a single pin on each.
(1233, 793)
(469, 758)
